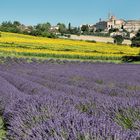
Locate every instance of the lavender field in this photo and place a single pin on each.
(60, 100)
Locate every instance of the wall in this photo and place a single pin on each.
(97, 39)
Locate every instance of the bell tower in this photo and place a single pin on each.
(109, 15)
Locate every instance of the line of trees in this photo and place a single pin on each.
(47, 30)
(8, 26)
(42, 29)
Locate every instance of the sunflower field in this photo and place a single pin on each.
(17, 45)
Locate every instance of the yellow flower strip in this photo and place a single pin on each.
(61, 46)
(21, 50)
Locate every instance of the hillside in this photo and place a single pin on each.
(17, 45)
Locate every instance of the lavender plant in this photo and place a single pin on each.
(69, 100)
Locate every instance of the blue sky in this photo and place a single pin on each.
(77, 12)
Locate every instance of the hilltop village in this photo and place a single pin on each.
(115, 26)
(110, 27)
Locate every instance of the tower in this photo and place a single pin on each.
(109, 15)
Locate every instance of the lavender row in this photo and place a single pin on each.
(70, 101)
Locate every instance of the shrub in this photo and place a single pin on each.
(136, 40)
(91, 41)
(130, 58)
(118, 39)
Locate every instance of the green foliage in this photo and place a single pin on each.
(130, 58)
(9, 27)
(124, 121)
(91, 41)
(16, 23)
(84, 137)
(44, 29)
(52, 35)
(86, 108)
(127, 118)
(61, 56)
(75, 30)
(113, 30)
(136, 40)
(85, 29)
(98, 81)
(69, 27)
(62, 28)
(118, 39)
(38, 30)
(2, 129)
(41, 29)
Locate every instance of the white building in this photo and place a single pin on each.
(113, 22)
(132, 25)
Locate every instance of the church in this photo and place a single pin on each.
(113, 22)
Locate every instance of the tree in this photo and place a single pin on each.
(113, 30)
(46, 26)
(62, 28)
(41, 29)
(8, 26)
(118, 39)
(16, 23)
(136, 40)
(69, 27)
(85, 29)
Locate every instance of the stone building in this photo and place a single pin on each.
(113, 22)
(132, 25)
(101, 25)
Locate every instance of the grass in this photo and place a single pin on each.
(17, 45)
(2, 129)
(127, 118)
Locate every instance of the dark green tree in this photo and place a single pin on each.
(62, 28)
(41, 29)
(85, 29)
(69, 27)
(118, 39)
(16, 23)
(113, 30)
(136, 40)
(8, 26)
